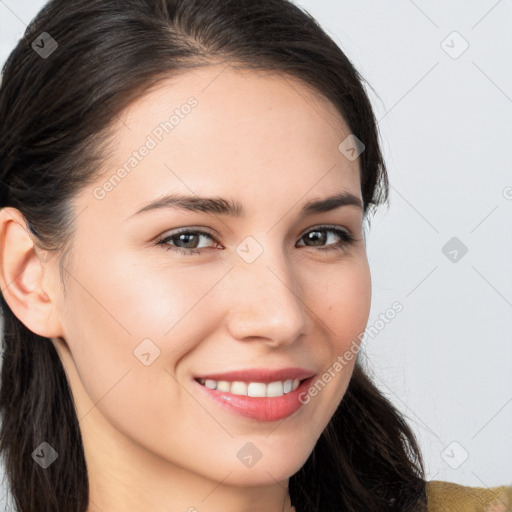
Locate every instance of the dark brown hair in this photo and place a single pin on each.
(56, 115)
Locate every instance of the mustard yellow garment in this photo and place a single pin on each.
(449, 497)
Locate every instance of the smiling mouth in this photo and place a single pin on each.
(253, 389)
(258, 401)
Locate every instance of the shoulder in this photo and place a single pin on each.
(449, 497)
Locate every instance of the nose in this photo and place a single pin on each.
(265, 301)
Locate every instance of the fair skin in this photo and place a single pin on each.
(152, 441)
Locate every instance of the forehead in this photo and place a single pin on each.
(235, 92)
(216, 129)
(232, 105)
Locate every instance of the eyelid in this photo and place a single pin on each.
(348, 239)
(325, 226)
(213, 233)
(188, 229)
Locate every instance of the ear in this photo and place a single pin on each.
(26, 277)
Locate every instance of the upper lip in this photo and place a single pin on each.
(264, 375)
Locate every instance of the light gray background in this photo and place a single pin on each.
(445, 119)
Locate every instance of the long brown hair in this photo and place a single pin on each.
(56, 112)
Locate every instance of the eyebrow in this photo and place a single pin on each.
(233, 208)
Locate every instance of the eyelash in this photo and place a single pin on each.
(346, 240)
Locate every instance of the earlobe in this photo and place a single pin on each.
(22, 276)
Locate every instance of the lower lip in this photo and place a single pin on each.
(262, 408)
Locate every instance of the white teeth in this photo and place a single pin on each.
(238, 388)
(272, 389)
(254, 389)
(223, 385)
(212, 384)
(257, 389)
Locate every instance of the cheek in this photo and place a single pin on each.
(343, 301)
(342, 306)
(124, 316)
(125, 304)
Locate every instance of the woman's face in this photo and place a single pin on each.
(269, 289)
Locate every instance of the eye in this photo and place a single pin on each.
(186, 237)
(346, 238)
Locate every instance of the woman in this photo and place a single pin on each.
(184, 275)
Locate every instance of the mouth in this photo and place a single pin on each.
(252, 388)
(263, 402)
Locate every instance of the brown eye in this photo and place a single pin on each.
(319, 236)
(186, 241)
(181, 241)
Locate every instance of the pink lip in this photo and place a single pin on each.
(264, 375)
(260, 408)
